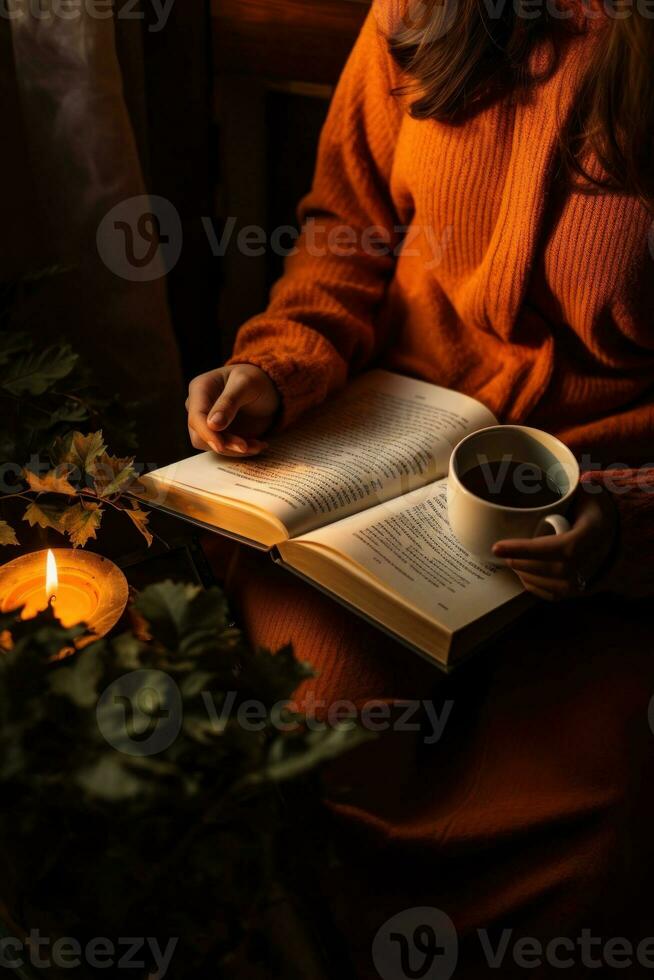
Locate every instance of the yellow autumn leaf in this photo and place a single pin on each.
(82, 522)
(112, 475)
(56, 481)
(140, 519)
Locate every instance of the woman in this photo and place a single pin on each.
(480, 218)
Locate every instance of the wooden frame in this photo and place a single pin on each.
(293, 40)
(263, 48)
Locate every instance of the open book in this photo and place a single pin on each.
(353, 499)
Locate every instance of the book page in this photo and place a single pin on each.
(384, 436)
(407, 546)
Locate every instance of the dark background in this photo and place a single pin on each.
(236, 94)
(226, 105)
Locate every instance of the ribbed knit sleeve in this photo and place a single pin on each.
(631, 572)
(321, 317)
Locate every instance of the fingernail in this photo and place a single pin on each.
(236, 445)
(217, 419)
(214, 446)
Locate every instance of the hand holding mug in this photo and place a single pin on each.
(511, 492)
(561, 566)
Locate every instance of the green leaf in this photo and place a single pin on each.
(35, 372)
(108, 779)
(42, 637)
(56, 481)
(12, 343)
(46, 515)
(70, 412)
(206, 619)
(140, 519)
(112, 475)
(200, 729)
(79, 451)
(165, 607)
(276, 676)
(291, 758)
(81, 522)
(128, 650)
(7, 534)
(183, 617)
(78, 680)
(195, 683)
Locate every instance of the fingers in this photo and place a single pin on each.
(201, 394)
(196, 441)
(553, 547)
(239, 391)
(546, 569)
(550, 588)
(561, 566)
(217, 445)
(544, 565)
(201, 402)
(545, 594)
(226, 445)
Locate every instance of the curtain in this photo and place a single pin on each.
(79, 200)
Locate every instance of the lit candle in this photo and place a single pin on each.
(51, 579)
(80, 586)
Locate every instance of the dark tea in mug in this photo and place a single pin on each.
(511, 483)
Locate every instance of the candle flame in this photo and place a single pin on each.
(51, 577)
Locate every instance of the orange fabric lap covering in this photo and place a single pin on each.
(530, 811)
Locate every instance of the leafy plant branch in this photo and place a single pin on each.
(80, 481)
(50, 410)
(191, 837)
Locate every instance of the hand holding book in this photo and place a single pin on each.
(353, 499)
(230, 408)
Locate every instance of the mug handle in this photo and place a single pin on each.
(552, 524)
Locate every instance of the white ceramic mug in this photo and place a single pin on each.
(479, 523)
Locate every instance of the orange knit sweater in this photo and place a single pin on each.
(457, 254)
